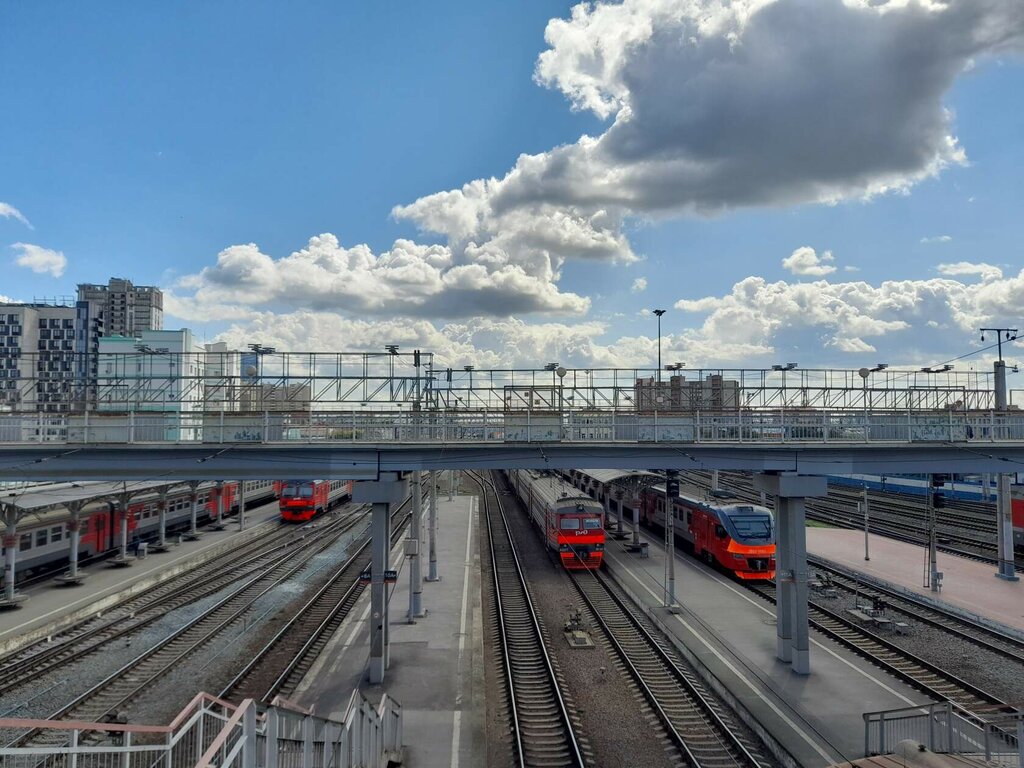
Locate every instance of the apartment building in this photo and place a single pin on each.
(48, 356)
(128, 309)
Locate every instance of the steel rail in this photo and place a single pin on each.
(731, 751)
(105, 696)
(534, 706)
(338, 608)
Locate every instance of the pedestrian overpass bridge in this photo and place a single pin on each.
(361, 444)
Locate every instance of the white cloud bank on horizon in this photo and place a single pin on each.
(8, 211)
(40, 260)
(712, 106)
(911, 322)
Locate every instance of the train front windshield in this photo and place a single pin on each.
(753, 527)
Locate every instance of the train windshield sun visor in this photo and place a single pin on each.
(753, 527)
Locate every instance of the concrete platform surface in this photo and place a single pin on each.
(436, 671)
(967, 584)
(51, 605)
(816, 718)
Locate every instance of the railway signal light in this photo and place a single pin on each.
(672, 486)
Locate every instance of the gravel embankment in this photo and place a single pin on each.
(617, 724)
(996, 674)
(207, 670)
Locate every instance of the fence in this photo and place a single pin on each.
(212, 732)
(485, 426)
(947, 728)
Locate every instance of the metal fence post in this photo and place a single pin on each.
(867, 734)
(881, 733)
(126, 761)
(1020, 741)
(249, 736)
(266, 426)
(951, 732)
(73, 763)
(307, 742)
(131, 426)
(271, 746)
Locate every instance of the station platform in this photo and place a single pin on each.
(50, 606)
(816, 718)
(968, 585)
(437, 663)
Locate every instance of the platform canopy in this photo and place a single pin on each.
(46, 496)
(615, 476)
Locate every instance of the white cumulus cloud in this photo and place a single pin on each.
(719, 105)
(409, 279)
(40, 260)
(936, 239)
(982, 270)
(8, 211)
(640, 284)
(804, 261)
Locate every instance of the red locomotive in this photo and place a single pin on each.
(572, 524)
(302, 500)
(737, 535)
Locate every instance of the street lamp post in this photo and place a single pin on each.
(659, 313)
(999, 366)
(864, 373)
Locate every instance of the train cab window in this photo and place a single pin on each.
(569, 524)
(591, 523)
(57, 533)
(41, 537)
(719, 532)
(25, 542)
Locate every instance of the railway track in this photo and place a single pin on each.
(285, 660)
(135, 612)
(700, 727)
(114, 694)
(915, 671)
(980, 635)
(543, 731)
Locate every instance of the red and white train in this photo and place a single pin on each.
(302, 500)
(737, 535)
(44, 537)
(572, 524)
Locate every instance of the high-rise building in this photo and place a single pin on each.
(714, 393)
(48, 356)
(127, 309)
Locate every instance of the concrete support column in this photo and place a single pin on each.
(161, 505)
(636, 520)
(432, 533)
(671, 492)
(714, 480)
(123, 513)
(10, 520)
(618, 517)
(792, 632)
(382, 494)
(241, 505)
(193, 532)
(218, 496)
(1004, 535)
(75, 533)
(412, 550)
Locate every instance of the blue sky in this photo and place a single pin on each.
(156, 141)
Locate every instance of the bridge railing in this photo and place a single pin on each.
(211, 732)
(484, 426)
(946, 728)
